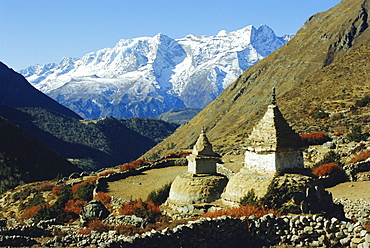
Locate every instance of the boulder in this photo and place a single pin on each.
(93, 210)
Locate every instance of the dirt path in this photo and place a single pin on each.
(352, 190)
(139, 186)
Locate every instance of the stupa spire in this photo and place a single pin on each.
(273, 98)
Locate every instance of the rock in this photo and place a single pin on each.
(74, 175)
(93, 210)
(329, 145)
(126, 220)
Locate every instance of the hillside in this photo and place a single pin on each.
(16, 92)
(91, 144)
(323, 65)
(25, 159)
(180, 116)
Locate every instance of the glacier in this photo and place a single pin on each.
(147, 76)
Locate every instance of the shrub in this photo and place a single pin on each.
(141, 209)
(31, 212)
(63, 198)
(326, 169)
(45, 213)
(241, 211)
(277, 195)
(84, 231)
(330, 157)
(360, 157)
(315, 138)
(176, 155)
(336, 117)
(318, 114)
(57, 190)
(45, 186)
(160, 196)
(103, 197)
(363, 102)
(250, 199)
(356, 134)
(74, 206)
(38, 199)
(127, 167)
(338, 134)
(133, 165)
(98, 225)
(106, 173)
(85, 191)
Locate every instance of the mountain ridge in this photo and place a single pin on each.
(294, 71)
(15, 91)
(147, 76)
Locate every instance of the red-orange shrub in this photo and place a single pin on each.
(132, 166)
(360, 157)
(176, 154)
(128, 208)
(84, 231)
(74, 206)
(32, 211)
(57, 190)
(98, 225)
(78, 185)
(45, 186)
(151, 206)
(326, 169)
(338, 134)
(106, 173)
(139, 208)
(315, 138)
(127, 167)
(103, 197)
(241, 211)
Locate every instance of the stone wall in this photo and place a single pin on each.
(268, 230)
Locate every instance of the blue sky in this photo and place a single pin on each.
(44, 31)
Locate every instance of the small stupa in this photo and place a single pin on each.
(272, 147)
(201, 183)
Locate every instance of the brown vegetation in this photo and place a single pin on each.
(315, 138)
(241, 211)
(326, 169)
(360, 157)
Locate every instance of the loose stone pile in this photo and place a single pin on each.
(359, 210)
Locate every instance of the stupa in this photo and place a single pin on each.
(201, 183)
(273, 146)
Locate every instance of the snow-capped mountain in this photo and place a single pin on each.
(147, 76)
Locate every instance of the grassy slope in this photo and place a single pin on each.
(296, 70)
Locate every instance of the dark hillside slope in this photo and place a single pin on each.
(16, 92)
(24, 158)
(299, 70)
(92, 144)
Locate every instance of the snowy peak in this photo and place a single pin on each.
(147, 76)
(265, 41)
